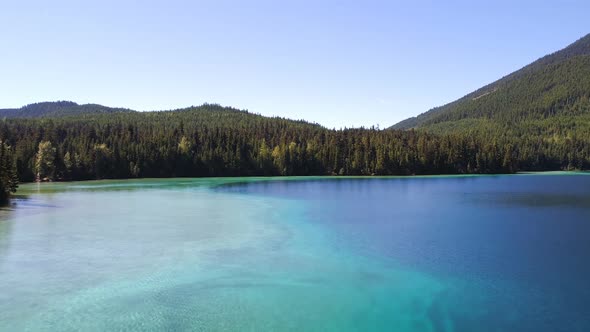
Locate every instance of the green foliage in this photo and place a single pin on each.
(539, 116)
(56, 109)
(45, 161)
(557, 84)
(8, 176)
(211, 140)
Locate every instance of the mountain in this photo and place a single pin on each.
(555, 85)
(57, 109)
(204, 113)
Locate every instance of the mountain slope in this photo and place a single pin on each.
(555, 85)
(57, 109)
(204, 115)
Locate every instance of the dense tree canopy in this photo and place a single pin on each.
(8, 176)
(556, 85)
(57, 109)
(211, 140)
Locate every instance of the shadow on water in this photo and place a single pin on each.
(534, 200)
(6, 208)
(10, 213)
(23, 203)
(7, 211)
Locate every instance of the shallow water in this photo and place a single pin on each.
(489, 253)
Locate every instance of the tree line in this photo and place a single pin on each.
(8, 175)
(211, 140)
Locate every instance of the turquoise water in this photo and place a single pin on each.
(490, 253)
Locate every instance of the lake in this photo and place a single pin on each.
(465, 253)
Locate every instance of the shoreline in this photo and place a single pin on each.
(240, 179)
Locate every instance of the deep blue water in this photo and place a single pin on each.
(515, 248)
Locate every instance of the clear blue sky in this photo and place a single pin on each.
(338, 63)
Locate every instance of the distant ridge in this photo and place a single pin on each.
(555, 84)
(57, 109)
(206, 112)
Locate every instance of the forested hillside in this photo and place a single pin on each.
(56, 109)
(557, 85)
(211, 140)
